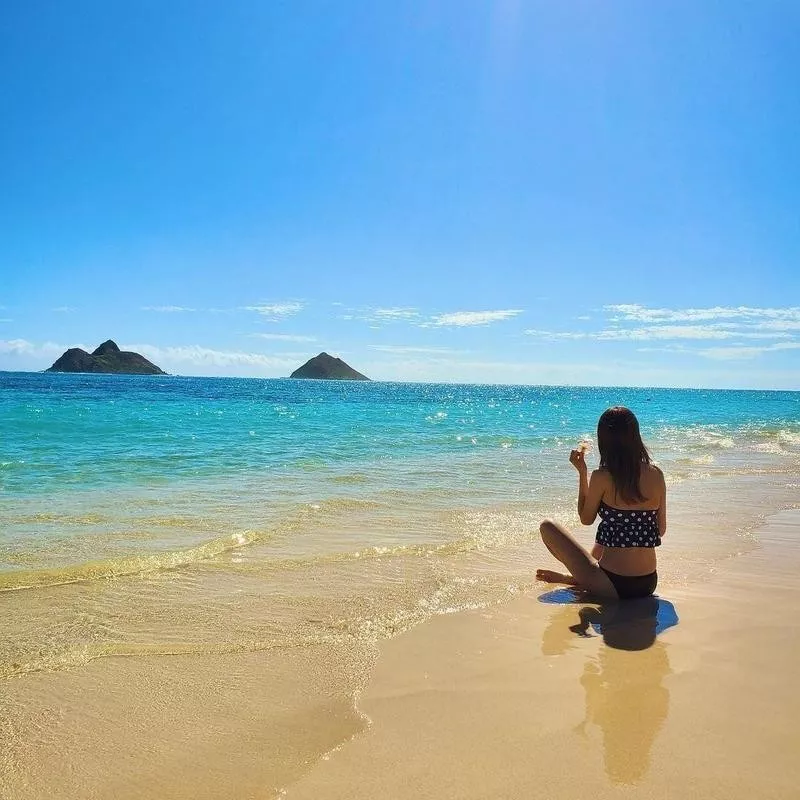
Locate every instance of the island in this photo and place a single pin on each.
(327, 367)
(107, 358)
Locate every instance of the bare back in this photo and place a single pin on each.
(635, 560)
(651, 485)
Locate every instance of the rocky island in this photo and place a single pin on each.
(106, 358)
(327, 367)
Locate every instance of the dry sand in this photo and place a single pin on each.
(514, 703)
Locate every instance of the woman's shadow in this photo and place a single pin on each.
(622, 681)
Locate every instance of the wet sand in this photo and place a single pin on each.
(695, 697)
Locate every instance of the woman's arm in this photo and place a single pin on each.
(590, 493)
(583, 488)
(662, 507)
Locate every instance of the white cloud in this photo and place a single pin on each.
(738, 325)
(639, 313)
(16, 346)
(460, 319)
(282, 337)
(65, 309)
(276, 311)
(197, 354)
(168, 309)
(675, 348)
(779, 325)
(741, 353)
(713, 331)
(395, 314)
(377, 317)
(198, 360)
(380, 315)
(22, 347)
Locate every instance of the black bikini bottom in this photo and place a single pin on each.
(629, 586)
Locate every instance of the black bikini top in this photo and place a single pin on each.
(624, 527)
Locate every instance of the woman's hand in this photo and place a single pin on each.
(576, 458)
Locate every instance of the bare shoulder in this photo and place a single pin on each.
(654, 474)
(600, 483)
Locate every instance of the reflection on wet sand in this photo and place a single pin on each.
(625, 696)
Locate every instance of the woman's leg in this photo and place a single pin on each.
(582, 567)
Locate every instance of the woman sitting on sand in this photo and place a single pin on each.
(629, 494)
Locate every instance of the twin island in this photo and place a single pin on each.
(109, 359)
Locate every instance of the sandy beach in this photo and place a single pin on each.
(538, 697)
(526, 701)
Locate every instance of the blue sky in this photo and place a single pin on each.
(509, 191)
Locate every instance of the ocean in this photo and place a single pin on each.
(210, 515)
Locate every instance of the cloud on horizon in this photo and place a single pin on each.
(639, 313)
(200, 356)
(461, 319)
(736, 325)
(742, 353)
(276, 311)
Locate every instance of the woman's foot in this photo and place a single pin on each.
(549, 576)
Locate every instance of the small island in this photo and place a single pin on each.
(107, 358)
(326, 367)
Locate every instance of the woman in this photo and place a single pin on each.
(629, 494)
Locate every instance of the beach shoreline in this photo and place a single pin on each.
(510, 702)
(528, 698)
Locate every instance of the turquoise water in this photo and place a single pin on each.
(61, 432)
(68, 441)
(164, 514)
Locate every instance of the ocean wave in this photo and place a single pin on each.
(708, 440)
(704, 459)
(789, 439)
(695, 437)
(131, 565)
(304, 515)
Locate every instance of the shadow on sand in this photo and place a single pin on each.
(625, 694)
(625, 625)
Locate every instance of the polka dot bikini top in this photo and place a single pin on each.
(622, 527)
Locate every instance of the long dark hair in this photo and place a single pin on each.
(622, 451)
